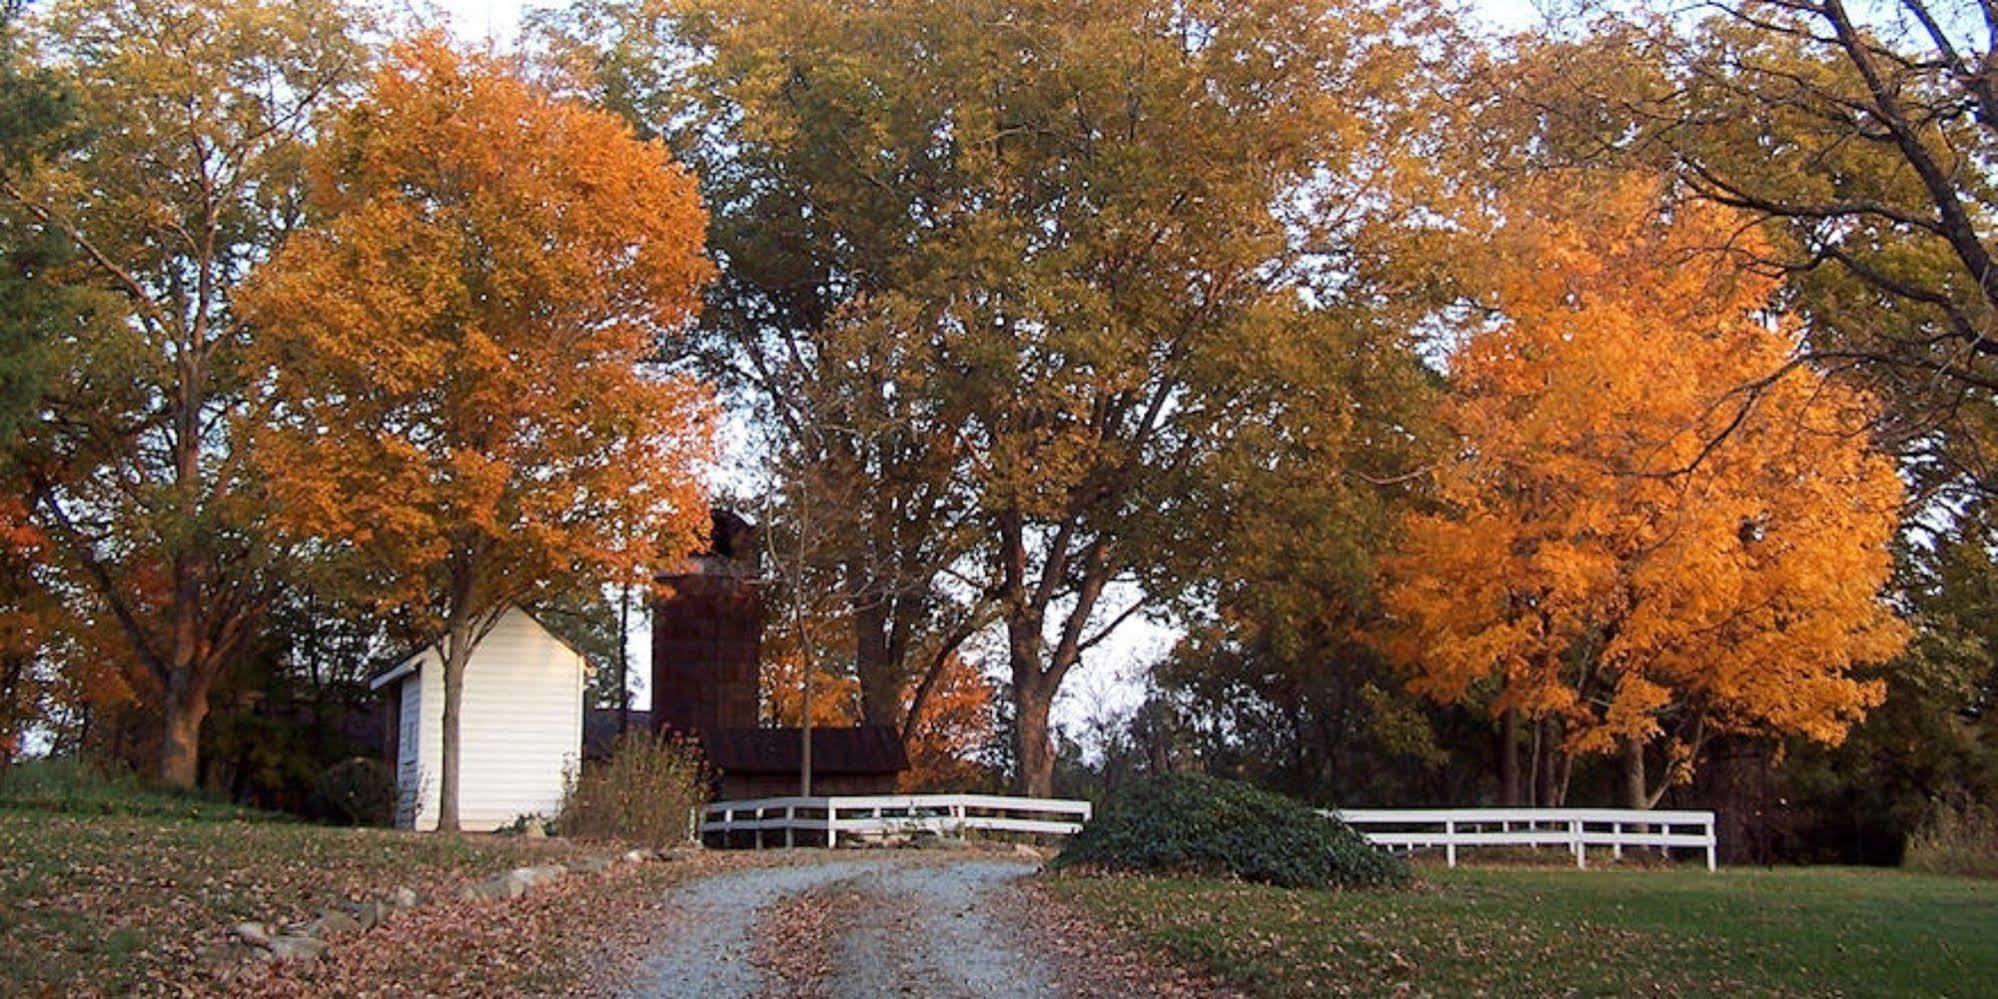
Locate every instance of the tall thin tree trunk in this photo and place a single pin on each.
(457, 653)
(1509, 792)
(1563, 779)
(1635, 792)
(1536, 782)
(624, 658)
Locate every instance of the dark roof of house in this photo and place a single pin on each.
(863, 749)
(600, 730)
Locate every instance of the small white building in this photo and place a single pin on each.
(520, 726)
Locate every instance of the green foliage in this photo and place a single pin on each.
(1186, 824)
(72, 786)
(35, 110)
(1044, 290)
(1958, 838)
(647, 792)
(360, 791)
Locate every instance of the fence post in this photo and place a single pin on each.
(832, 823)
(1581, 852)
(1450, 842)
(1711, 843)
(1616, 844)
(789, 812)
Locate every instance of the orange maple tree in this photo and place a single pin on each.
(835, 696)
(1656, 525)
(452, 358)
(25, 609)
(954, 722)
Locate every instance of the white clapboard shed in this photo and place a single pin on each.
(520, 726)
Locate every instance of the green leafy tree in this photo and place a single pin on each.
(1860, 141)
(1032, 285)
(192, 116)
(35, 112)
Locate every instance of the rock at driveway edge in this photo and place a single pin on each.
(290, 948)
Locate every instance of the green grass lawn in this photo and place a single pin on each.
(1816, 931)
(108, 903)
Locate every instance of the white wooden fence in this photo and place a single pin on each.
(1577, 829)
(889, 815)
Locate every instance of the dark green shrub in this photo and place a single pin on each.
(359, 792)
(649, 791)
(1187, 824)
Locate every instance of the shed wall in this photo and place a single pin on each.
(521, 726)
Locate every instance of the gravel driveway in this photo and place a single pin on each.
(918, 925)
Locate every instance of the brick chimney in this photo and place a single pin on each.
(707, 635)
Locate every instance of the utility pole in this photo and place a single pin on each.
(804, 662)
(624, 658)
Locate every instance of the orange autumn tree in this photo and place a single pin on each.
(1656, 526)
(942, 739)
(835, 696)
(26, 612)
(452, 358)
(947, 731)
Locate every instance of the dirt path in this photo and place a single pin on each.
(894, 924)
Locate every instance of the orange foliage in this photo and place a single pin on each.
(835, 697)
(25, 609)
(956, 719)
(956, 722)
(451, 360)
(453, 356)
(1599, 558)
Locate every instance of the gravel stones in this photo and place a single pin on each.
(296, 948)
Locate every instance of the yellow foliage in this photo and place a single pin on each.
(1655, 521)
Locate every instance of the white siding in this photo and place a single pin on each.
(408, 764)
(521, 725)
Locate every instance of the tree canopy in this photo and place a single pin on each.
(450, 359)
(1655, 525)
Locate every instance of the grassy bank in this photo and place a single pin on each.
(1511, 932)
(108, 887)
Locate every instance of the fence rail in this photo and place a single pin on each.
(1574, 828)
(878, 816)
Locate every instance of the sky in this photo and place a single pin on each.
(1109, 682)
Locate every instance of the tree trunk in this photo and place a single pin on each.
(1635, 793)
(624, 659)
(457, 652)
(880, 676)
(1033, 750)
(1509, 793)
(180, 741)
(1033, 695)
